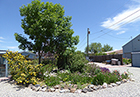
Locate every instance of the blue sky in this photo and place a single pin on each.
(113, 22)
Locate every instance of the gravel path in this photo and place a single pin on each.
(131, 89)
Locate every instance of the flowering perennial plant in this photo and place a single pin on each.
(23, 71)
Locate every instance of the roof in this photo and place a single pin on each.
(3, 51)
(131, 40)
(116, 51)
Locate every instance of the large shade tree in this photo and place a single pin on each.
(47, 29)
(97, 48)
(106, 48)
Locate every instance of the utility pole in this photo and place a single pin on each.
(88, 32)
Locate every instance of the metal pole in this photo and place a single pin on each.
(88, 32)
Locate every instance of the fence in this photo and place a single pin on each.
(103, 58)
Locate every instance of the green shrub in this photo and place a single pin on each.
(98, 79)
(92, 69)
(126, 61)
(52, 81)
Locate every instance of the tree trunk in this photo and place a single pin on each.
(39, 61)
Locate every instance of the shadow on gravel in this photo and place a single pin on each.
(19, 87)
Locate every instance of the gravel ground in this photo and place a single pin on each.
(131, 89)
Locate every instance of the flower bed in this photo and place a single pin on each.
(41, 77)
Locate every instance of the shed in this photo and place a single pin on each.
(131, 50)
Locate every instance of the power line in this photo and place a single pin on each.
(103, 29)
(118, 21)
(118, 27)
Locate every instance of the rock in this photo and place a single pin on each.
(104, 85)
(132, 79)
(89, 89)
(12, 82)
(37, 85)
(62, 91)
(75, 86)
(118, 83)
(72, 90)
(56, 87)
(91, 86)
(43, 90)
(37, 88)
(57, 90)
(99, 87)
(33, 87)
(78, 91)
(124, 80)
(30, 86)
(52, 89)
(67, 91)
(48, 90)
(109, 86)
(44, 86)
(94, 88)
(113, 84)
(84, 90)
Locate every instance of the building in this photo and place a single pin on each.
(3, 65)
(132, 50)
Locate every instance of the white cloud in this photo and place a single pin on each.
(12, 47)
(132, 14)
(1, 38)
(1, 41)
(120, 32)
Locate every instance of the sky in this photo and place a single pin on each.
(113, 22)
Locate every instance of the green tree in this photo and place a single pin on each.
(47, 29)
(106, 48)
(94, 48)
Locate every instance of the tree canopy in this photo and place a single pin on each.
(97, 48)
(46, 27)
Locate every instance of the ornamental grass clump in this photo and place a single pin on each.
(21, 70)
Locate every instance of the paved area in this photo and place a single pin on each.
(111, 66)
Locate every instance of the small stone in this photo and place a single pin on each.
(43, 90)
(37, 89)
(48, 90)
(30, 86)
(89, 89)
(57, 90)
(78, 91)
(99, 87)
(37, 85)
(72, 90)
(33, 87)
(94, 88)
(84, 90)
(43, 86)
(118, 83)
(52, 89)
(109, 86)
(67, 91)
(75, 86)
(113, 84)
(91, 86)
(124, 80)
(56, 87)
(104, 85)
(132, 79)
(62, 91)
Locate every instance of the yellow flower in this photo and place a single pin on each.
(20, 81)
